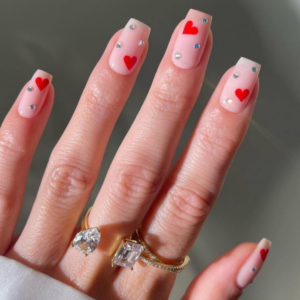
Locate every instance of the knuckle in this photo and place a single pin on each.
(101, 96)
(171, 95)
(214, 138)
(9, 147)
(133, 184)
(187, 207)
(68, 182)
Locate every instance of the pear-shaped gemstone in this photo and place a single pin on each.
(86, 241)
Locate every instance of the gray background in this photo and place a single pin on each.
(260, 196)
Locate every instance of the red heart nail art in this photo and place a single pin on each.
(264, 253)
(41, 83)
(130, 61)
(189, 29)
(242, 94)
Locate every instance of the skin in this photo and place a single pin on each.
(139, 188)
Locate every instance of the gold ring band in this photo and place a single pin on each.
(130, 250)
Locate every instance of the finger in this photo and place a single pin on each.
(75, 161)
(19, 136)
(226, 277)
(193, 186)
(143, 160)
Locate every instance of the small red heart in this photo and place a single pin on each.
(130, 61)
(242, 94)
(189, 29)
(264, 253)
(41, 83)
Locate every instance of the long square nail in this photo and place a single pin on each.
(239, 86)
(191, 39)
(35, 94)
(253, 264)
(129, 47)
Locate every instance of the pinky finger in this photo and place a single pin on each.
(19, 135)
(226, 277)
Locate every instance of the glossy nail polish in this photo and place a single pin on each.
(191, 40)
(35, 94)
(129, 47)
(239, 86)
(253, 264)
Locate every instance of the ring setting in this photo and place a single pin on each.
(87, 240)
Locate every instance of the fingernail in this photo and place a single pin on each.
(239, 86)
(254, 263)
(129, 47)
(35, 94)
(191, 39)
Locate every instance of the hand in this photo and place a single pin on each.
(139, 189)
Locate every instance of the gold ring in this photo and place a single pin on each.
(86, 240)
(130, 250)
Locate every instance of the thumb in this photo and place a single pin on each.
(227, 276)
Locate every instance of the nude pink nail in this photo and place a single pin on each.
(239, 86)
(191, 39)
(253, 264)
(35, 94)
(129, 47)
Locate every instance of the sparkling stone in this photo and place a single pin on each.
(254, 69)
(30, 88)
(254, 269)
(229, 101)
(177, 55)
(32, 107)
(132, 27)
(235, 75)
(119, 45)
(141, 43)
(128, 254)
(197, 46)
(86, 241)
(205, 20)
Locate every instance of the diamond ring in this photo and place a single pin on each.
(130, 250)
(86, 240)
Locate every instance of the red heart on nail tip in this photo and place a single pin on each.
(130, 61)
(242, 94)
(189, 28)
(264, 253)
(41, 83)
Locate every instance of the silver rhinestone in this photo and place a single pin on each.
(229, 101)
(32, 107)
(254, 69)
(132, 27)
(141, 43)
(119, 45)
(30, 88)
(177, 55)
(197, 46)
(254, 269)
(235, 75)
(205, 20)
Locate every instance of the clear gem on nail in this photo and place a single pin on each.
(205, 20)
(127, 254)
(197, 46)
(30, 88)
(235, 75)
(141, 43)
(254, 69)
(132, 27)
(32, 107)
(177, 55)
(119, 45)
(229, 101)
(254, 269)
